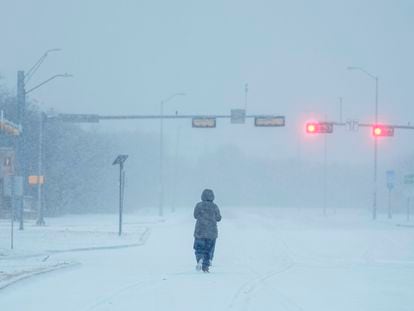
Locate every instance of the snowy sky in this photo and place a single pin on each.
(126, 56)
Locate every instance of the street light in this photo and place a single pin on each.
(161, 199)
(22, 81)
(375, 78)
(29, 74)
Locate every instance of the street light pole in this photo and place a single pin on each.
(20, 156)
(374, 202)
(161, 194)
(22, 80)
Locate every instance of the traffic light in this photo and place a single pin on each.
(382, 130)
(319, 128)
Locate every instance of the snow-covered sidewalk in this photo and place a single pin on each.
(35, 247)
(14, 268)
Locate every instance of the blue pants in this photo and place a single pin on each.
(204, 249)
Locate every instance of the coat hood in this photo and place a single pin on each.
(207, 195)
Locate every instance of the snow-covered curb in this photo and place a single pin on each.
(143, 238)
(32, 264)
(10, 279)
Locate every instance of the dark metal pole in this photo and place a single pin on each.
(389, 204)
(121, 166)
(374, 203)
(20, 156)
(161, 194)
(12, 215)
(325, 173)
(246, 90)
(40, 219)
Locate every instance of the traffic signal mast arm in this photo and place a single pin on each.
(260, 120)
(377, 129)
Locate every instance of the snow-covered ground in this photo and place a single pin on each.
(34, 247)
(266, 259)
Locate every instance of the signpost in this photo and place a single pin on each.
(390, 186)
(12, 188)
(120, 160)
(409, 187)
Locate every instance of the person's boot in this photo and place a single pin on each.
(199, 264)
(205, 269)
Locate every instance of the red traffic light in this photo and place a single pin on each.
(319, 128)
(382, 130)
(310, 128)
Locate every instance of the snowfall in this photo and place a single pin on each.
(266, 259)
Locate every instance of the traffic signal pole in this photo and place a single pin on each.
(325, 173)
(374, 202)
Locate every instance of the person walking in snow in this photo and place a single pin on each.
(207, 215)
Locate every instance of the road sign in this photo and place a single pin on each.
(319, 128)
(352, 125)
(409, 179)
(268, 121)
(390, 179)
(36, 180)
(238, 116)
(204, 122)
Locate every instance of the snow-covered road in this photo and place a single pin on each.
(266, 259)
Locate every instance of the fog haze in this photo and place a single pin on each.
(127, 56)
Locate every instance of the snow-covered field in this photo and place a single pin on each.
(266, 259)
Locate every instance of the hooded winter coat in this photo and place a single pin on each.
(207, 214)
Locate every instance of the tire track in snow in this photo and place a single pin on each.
(246, 291)
(105, 300)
